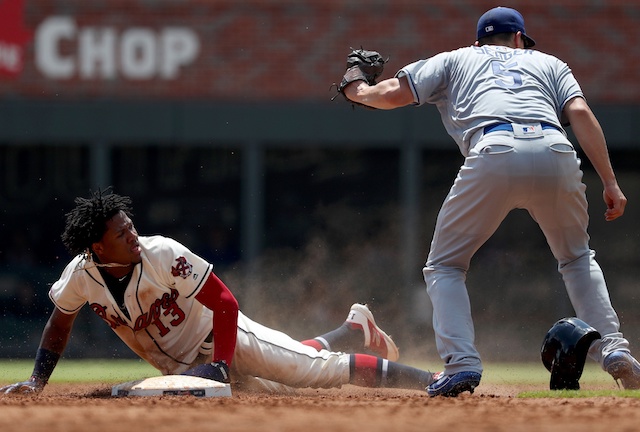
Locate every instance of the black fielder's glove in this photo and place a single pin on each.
(362, 65)
(217, 371)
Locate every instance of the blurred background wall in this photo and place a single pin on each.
(216, 118)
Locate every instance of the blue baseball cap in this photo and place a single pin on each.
(503, 20)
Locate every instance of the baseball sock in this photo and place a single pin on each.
(370, 371)
(343, 339)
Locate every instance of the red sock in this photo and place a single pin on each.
(313, 343)
(365, 370)
(369, 371)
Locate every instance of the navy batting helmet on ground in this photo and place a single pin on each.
(564, 351)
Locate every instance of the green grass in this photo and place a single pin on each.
(594, 381)
(70, 371)
(529, 374)
(577, 394)
(535, 373)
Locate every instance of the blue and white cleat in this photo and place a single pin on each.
(622, 366)
(453, 385)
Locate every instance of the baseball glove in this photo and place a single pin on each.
(362, 65)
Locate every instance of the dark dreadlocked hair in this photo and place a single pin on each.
(87, 222)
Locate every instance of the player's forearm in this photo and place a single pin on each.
(216, 296)
(57, 331)
(54, 341)
(224, 346)
(387, 94)
(593, 143)
(45, 362)
(225, 329)
(55, 337)
(591, 138)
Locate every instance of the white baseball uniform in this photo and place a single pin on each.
(503, 107)
(163, 323)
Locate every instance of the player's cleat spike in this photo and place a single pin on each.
(453, 385)
(622, 366)
(375, 339)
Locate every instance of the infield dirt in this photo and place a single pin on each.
(75, 408)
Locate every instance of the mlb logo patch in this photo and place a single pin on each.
(531, 130)
(488, 29)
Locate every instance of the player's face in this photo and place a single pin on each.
(119, 244)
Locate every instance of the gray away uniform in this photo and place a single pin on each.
(533, 166)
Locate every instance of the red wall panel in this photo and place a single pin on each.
(281, 50)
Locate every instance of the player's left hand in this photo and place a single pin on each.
(362, 65)
(217, 371)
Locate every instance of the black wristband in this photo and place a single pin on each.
(46, 362)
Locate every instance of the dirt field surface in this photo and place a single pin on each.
(72, 408)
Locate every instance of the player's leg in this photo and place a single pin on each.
(364, 371)
(370, 371)
(584, 280)
(477, 203)
(359, 333)
(559, 206)
(272, 355)
(493, 180)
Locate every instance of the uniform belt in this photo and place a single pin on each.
(507, 127)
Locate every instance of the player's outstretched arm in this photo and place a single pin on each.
(387, 94)
(592, 141)
(53, 342)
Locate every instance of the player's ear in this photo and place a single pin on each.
(476, 43)
(97, 247)
(519, 41)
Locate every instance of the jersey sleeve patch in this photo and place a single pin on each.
(182, 268)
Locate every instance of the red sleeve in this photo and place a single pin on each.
(216, 296)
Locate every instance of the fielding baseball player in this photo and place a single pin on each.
(505, 104)
(169, 307)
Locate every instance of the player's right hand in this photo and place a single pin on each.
(615, 200)
(31, 386)
(217, 371)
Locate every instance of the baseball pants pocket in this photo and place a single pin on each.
(496, 149)
(562, 148)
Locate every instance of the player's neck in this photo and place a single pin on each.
(118, 272)
(115, 270)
